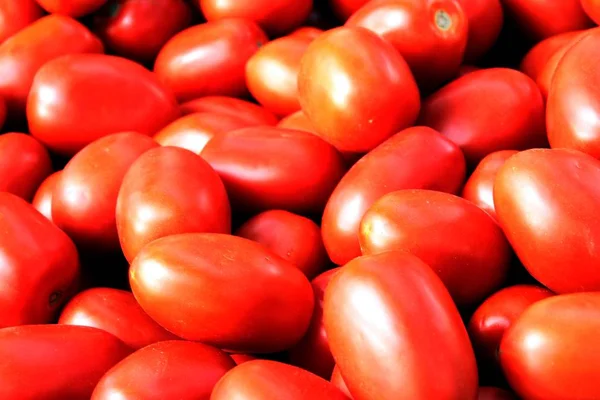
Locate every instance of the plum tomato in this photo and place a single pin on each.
(252, 113)
(16, 15)
(42, 201)
(485, 19)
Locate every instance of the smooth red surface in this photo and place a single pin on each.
(297, 121)
(252, 113)
(16, 15)
(42, 201)
(338, 381)
(592, 9)
(72, 8)
(309, 32)
(485, 19)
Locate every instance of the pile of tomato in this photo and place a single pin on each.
(299, 199)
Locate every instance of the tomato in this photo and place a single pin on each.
(292, 237)
(265, 380)
(296, 121)
(479, 188)
(546, 202)
(308, 32)
(544, 18)
(16, 15)
(23, 54)
(42, 201)
(485, 19)
(39, 268)
(72, 8)
(117, 312)
(551, 351)
(338, 381)
(416, 158)
(276, 17)
(166, 191)
(592, 9)
(431, 35)
(472, 112)
(493, 393)
(272, 74)
(389, 315)
(242, 358)
(24, 164)
(251, 113)
(340, 85)
(56, 362)
(260, 168)
(222, 290)
(345, 8)
(209, 59)
(312, 352)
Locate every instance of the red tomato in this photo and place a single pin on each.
(166, 191)
(472, 112)
(138, 29)
(209, 59)
(72, 8)
(265, 380)
(272, 74)
(242, 358)
(479, 188)
(431, 35)
(224, 291)
(338, 381)
(345, 8)
(55, 362)
(42, 201)
(117, 312)
(551, 351)
(389, 315)
(167, 370)
(16, 15)
(340, 84)
(297, 121)
(493, 393)
(309, 32)
(292, 237)
(268, 168)
(312, 352)
(26, 51)
(416, 158)
(79, 98)
(592, 9)
(485, 19)
(39, 267)
(276, 17)
(251, 113)
(24, 164)
(547, 204)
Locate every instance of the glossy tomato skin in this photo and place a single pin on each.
(167, 191)
(16, 15)
(23, 54)
(416, 158)
(57, 361)
(338, 381)
(138, 29)
(269, 178)
(223, 290)
(252, 113)
(345, 8)
(485, 19)
(479, 188)
(546, 202)
(431, 35)
(264, 379)
(404, 324)
(42, 201)
(592, 9)
(117, 312)
(40, 264)
(85, 196)
(72, 8)
(24, 164)
(225, 47)
(542, 355)
(494, 393)
(471, 111)
(340, 81)
(166, 370)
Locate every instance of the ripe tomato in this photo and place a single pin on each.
(166, 191)
(224, 291)
(472, 112)
(72, 8)
(485, 19)
(297, 121)
(292, 237)
(479, 188)
(209, 59)
(117, 312)
(265, 380)
(276, 17)
(338, 381)
(546, 202)
(542, 355)
(345, 8)
(340, 85)
(166, 370)
(389, 315)
(592, 9)
(138, 29)
(272, 74)
(252, 113)
(56, 362)
(261, 169)
(39, 268)
(42, 201)
(431, 35)
(16, 15)
(308, 32)
(416, 158)
(24, 164)
(23, 54)
(493, 393)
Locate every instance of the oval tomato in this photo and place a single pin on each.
(209, 59)
(42, 201)
(57, 361)
(251, 113)
(493, 393)
(224, 291)
(592, 9)
(341, 77)
(166, 191)
(416, 158)
(345, 8)
(72, 8)
(16, 15)
(338, 381)
(297, 121)
(485, 19)
(390, 315)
